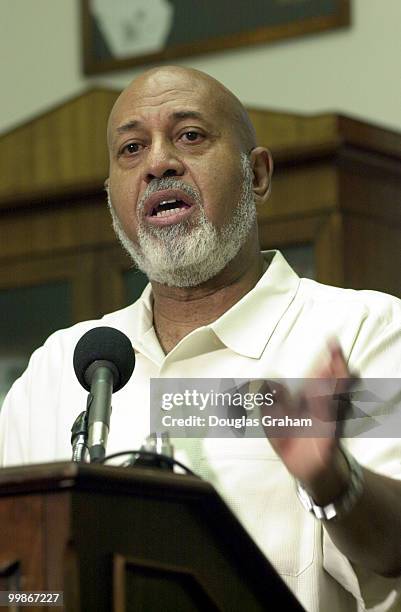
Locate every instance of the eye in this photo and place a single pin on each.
(192, 136)
(130, 149)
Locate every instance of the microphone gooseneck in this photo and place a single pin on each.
(103, 362)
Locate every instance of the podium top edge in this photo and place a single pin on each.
(63, 476)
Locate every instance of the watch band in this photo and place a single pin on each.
(342, 504)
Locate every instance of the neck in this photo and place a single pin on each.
(178, 311)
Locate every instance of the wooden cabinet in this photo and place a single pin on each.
(335, 211)
(337, 187)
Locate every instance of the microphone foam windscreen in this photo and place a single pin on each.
(106, 344)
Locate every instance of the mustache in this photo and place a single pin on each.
(169, 182)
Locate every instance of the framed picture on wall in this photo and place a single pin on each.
(118, 34)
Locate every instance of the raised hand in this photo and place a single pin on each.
(312, 454)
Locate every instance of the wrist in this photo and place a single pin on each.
(331, 482)
(340, 504)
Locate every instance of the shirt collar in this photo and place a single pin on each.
(248, 325)
(245, 328)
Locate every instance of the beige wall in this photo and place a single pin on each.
(355, 71)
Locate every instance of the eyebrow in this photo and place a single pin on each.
(177, 116)
(189, 114)
(126, 127)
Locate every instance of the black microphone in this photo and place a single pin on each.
(103, 362)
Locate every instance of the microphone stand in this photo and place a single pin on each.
(79, 438)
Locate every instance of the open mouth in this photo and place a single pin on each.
(168, 208)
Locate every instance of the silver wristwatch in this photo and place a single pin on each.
(342, 504)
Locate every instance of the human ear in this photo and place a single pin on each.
(106, 184)
(262, 166)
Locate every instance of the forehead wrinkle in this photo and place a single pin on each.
(147, 101)
(145, 95)
(218, 100)
(154, 99)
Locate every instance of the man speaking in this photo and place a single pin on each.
(186, 178)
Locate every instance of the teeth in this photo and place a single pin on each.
(167, 202)
(168, 213)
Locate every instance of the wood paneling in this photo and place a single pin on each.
(365, 261)
(25, 539)
(291, 134)
(62, 150)
(306, 189)
(75, 268)
(47, 230)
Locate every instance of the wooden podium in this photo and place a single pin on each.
(130, 539)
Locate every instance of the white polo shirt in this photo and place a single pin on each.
(278, 330)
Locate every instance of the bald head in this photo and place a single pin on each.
(150, 86)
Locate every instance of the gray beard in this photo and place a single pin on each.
(190, 253)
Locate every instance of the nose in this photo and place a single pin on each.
(162, 160)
